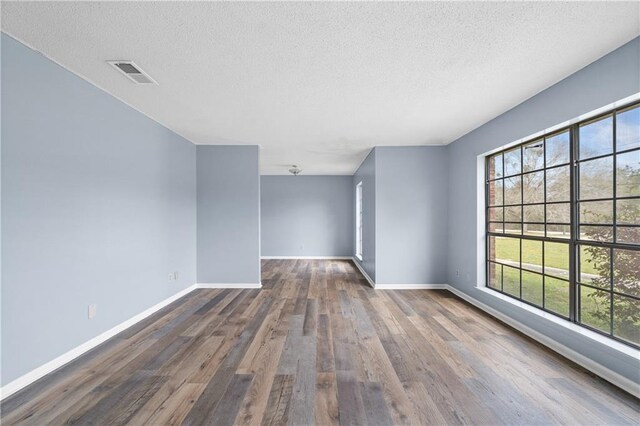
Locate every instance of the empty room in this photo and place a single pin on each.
(319, 213)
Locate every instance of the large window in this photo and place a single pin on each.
(359, 221)
(563, 223)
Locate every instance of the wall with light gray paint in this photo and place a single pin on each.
(103, 201)
(306, 215)
(228, 214)
(411, 215)
(98, 206)
(611, 78)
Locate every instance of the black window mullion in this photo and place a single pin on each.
(544, 278)
(544, 186)
(520, 264)
(615, 175)
(607, 244)
(611, 251)
(521, 212)
(487, 248)
(574, 242)
(596, 157)
(573, 218)
(544, 189)
(615, 221)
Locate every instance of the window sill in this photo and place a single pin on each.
(599, 338)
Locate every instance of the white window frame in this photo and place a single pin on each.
(359, 210)
(481, 258)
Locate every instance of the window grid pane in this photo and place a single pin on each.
(583, 266)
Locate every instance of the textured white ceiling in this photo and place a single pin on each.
(318, 84)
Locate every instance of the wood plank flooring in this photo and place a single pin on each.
(318, 345)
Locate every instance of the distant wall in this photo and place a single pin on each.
(98, 206)
(306, 215)
(411, 215)
(228, 214)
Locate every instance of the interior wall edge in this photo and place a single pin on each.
(363, 272)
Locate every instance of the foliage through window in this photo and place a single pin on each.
(563, 223)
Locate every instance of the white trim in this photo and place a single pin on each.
(595, 367)
(599, 338)
(364, 273)
(398, 286)
(358, 219)
(39, 372)
(308, 257)
(411, 287)
(229, 285)
(481, 237)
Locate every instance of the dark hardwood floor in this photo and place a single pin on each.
(318, 345)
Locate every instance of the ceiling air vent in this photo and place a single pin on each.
(133, 72)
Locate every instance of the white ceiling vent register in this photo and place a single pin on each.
(133, 72)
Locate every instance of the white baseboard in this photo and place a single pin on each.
(227, 285)
(602, 371)
(397, 286)
(411, 286)
(611, 376)
(25, 380)
(22, 381)
(307, 257)
(364, 273)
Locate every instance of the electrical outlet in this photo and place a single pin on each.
(457, 273)
(92, 311)
(171, 276)
(175, 275)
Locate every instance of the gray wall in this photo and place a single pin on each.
(613, 77)
(411, 215)
(307, 215)
(228, 214)
(366, 174)
(98, 206)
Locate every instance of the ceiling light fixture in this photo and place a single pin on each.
(295, 170)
